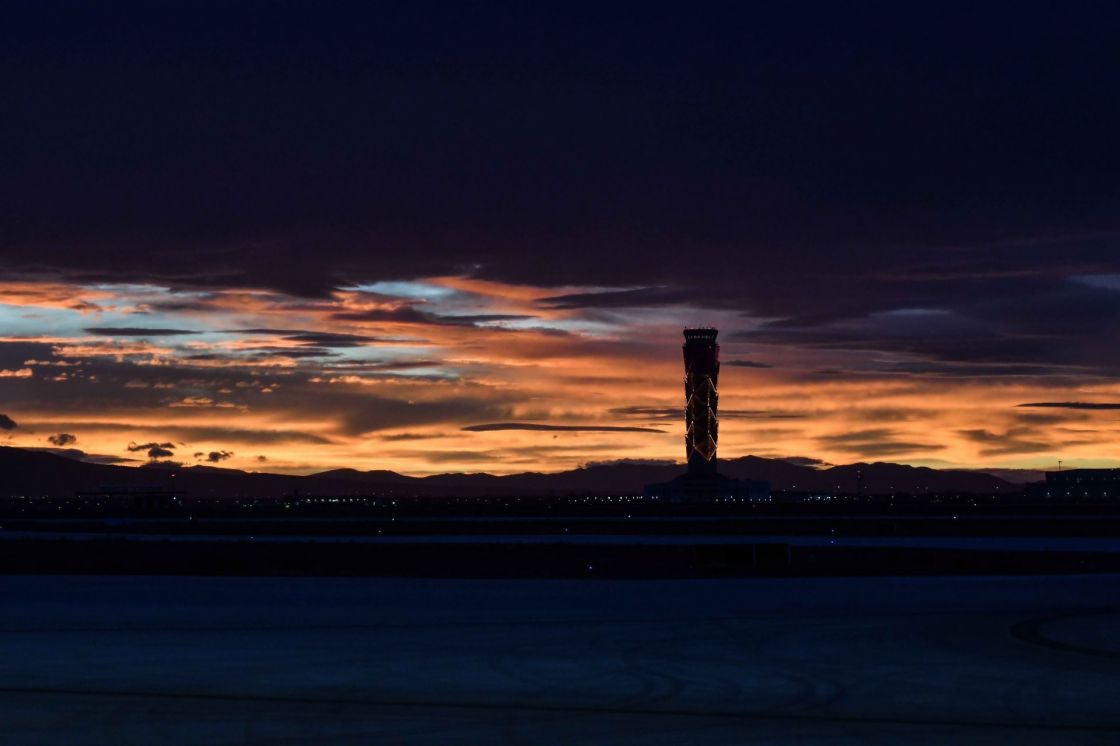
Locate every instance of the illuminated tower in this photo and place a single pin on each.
(701, 375)
(701, 483)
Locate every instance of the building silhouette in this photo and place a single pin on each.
(702, 481)
(1083, 484)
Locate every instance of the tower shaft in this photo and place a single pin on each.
(701, 379)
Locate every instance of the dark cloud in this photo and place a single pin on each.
(1033, 418)
(874, 443)
(251, 355)
(16, 354)
(934, 368)
(804, 461)
(134, 447)
(135, 331)
(410, 436)
(156, 464)
(631, 462)
(1038, 325)
(412, 315)
(359, 412)
(353, 366)
(733, 158)
(677, 413)
(650, 412)
(215, 457)
(633, 297)
(746, 364)
(180, 305)
(879, 415)
(132, 385)
(480, 318)
(558, 428)
(157, 452)
(889, 449)
(331, 339)
(312, 339)
(249, 437)
(227, 434)
(295, 353)
(1072, 405)
(1015, 441)
(7, 423)
(62, 439)
(440, 457)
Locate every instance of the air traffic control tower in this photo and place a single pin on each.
(701, 377)
(702, 481)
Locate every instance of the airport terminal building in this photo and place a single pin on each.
(1084, 484)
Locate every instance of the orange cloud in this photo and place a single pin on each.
(313, 385)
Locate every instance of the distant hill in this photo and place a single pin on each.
(629, 478)
(28, 472)
(1016, 476)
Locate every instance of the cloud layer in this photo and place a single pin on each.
(464, 242)
(519, 383)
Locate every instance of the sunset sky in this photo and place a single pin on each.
(274, 238)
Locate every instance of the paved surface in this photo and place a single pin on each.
(1109, 545)
(119, 660)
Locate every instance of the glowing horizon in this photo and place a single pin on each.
(420, 376)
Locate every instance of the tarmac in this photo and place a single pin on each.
(234, 660)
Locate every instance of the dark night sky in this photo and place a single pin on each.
(928, 187)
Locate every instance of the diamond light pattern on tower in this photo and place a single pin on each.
(701, 379)
(702, 483)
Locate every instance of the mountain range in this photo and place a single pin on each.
(32, 473)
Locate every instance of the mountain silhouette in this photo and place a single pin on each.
(34, 473)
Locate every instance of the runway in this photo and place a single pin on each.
(140, 660)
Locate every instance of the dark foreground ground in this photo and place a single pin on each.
(228, 660)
